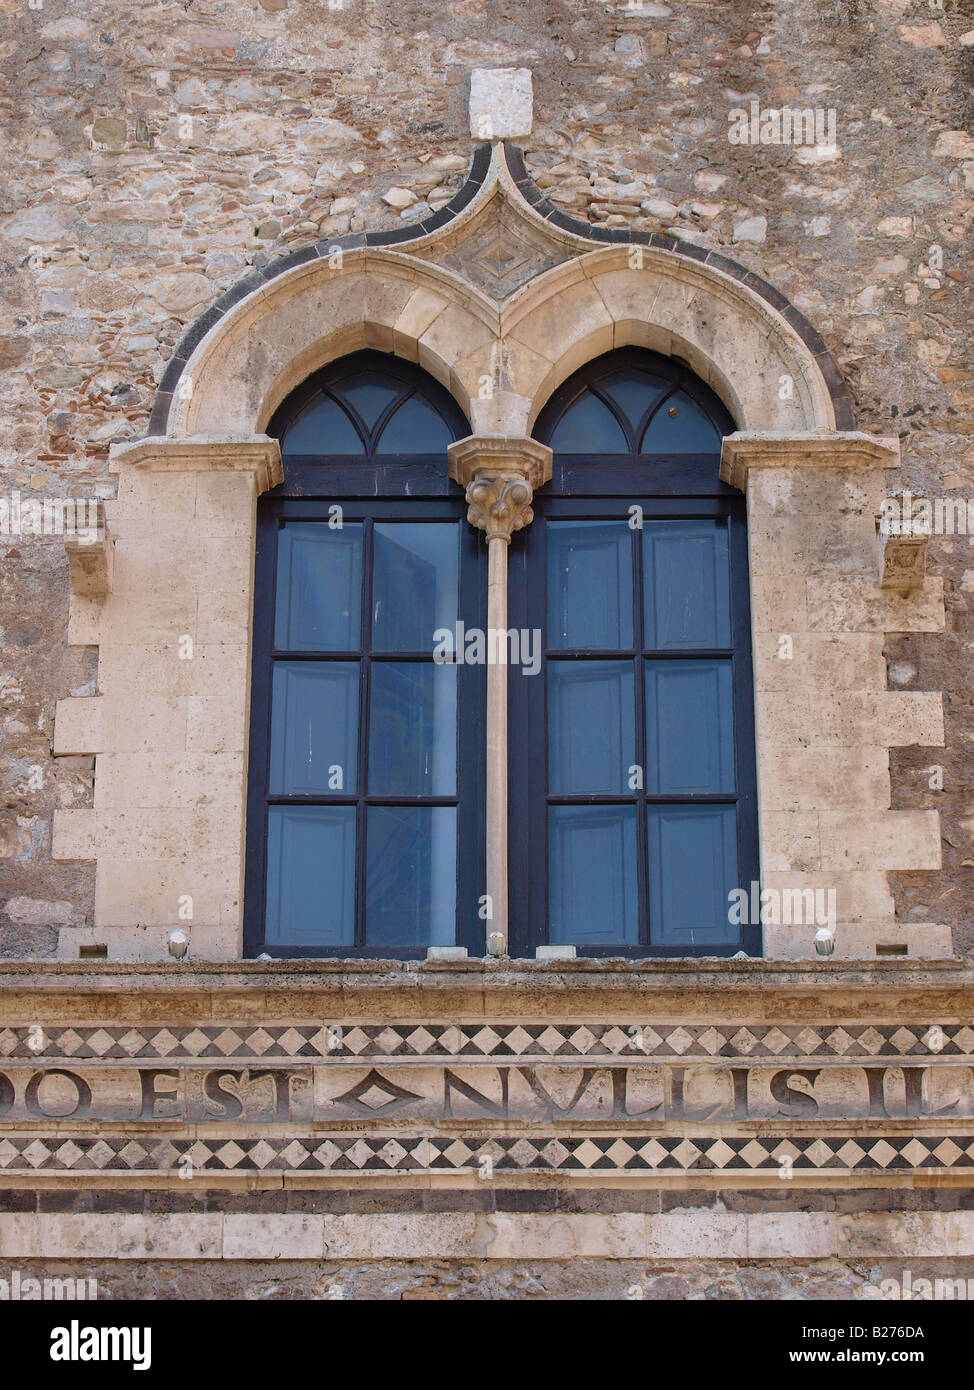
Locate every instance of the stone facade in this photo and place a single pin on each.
(202, 210)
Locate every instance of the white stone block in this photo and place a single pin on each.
(501, 104)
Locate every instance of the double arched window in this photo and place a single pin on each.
(632, 766)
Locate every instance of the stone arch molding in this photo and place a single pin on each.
(501, 342)
(501, 296)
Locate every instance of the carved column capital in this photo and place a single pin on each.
(500, 476)
(499, 505)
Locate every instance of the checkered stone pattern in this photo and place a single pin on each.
(449, 1153)
(314, 1041)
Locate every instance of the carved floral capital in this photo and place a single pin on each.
(499, 505)
(500, 476)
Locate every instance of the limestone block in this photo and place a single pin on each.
(421, 309)
(91, 565)
(223, 614)
(167, 777)
(891, 840)
(152, 891)
(713, 1235)
(503, 413)
(557, 329)
(804, 779)
(790, 1235)
(150, 503)
(778, 603)
(74, 834)
(127, 942)
(501, 103)
(125, 672)
(840, 661)
(157, 1237)
(862, 605)
(790, 840)
(431, 1235)
(225, 504)
(915, 1234)
(863, 940)
(217, 723)
(881, 719)
(513, 1236)
(79, 726)
(860, 895)
(85, 621)
(161, 724)
(273, 1237)
(141, 834)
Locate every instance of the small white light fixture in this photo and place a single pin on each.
(178, 943)
(825, 941)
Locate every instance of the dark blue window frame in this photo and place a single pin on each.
(605, 486)
(371, 487)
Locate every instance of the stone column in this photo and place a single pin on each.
(500, 476)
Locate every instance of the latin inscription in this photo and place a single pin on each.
(351, 1094)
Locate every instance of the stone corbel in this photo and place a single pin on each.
(904, 563)
(91, 564)
(499, 475)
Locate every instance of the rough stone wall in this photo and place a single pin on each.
(488, 1280)
(410, 1281)
(153, 154)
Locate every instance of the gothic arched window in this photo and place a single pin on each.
(635, 816)
(365, 822)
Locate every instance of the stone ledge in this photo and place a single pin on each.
(827, 449)
(482, 1235)
(503, 989)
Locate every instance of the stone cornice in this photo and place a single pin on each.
(492, 455)
(258, 454)
(718, 989)
(759, 449)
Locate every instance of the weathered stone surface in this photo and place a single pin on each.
(501, 103)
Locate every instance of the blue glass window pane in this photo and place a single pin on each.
(593, 889)
(692, 870)
(323, 427)
(416, 572)
(310, 876)
(411, 876)
(415, 428)
(687, 584)
(588, 427)
(370, 396)
(689, 727)
(635, 392)
(681, 427)
(413, 729)
(589, 584)
(591, 726)
(314, 727)
(319, 587)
